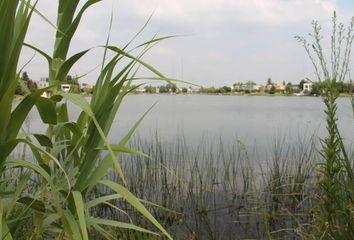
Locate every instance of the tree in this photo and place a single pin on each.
(184, 90)
(224, 89)
(269, 81)
(25, 77)
(163, 89)
(289, 88)
(32, 86)
(272, 90)
(150, 89)
(301, 84)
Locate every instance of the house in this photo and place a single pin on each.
(42, 84)
(307, 87)
(66, 87)
(280, 87)
(140, 90)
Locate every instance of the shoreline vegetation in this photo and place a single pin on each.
(71, 183)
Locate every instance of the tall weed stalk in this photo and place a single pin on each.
(334, 212)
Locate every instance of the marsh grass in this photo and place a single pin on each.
(215, 191)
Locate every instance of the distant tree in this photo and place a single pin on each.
(301, 84)
(208, 90)
(272, 90)
(289, 88)
(250, 85)
(164, 89)
(72, 80)
(25, 77)
(224, 89)
(237, 87)
(32, 86)
(173, 88)
(184, 90)
(269, 81)
(20, 87)
(150, 89)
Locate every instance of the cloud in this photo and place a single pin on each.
(227, 40)
(265, 12)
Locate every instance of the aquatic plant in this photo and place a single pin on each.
(334, 215)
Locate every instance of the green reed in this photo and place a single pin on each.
(52, 194)
(333, 213)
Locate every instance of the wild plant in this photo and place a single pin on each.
(56, 192)
(333, 215)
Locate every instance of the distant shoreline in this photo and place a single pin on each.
(236, 95)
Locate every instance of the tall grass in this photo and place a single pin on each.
(216, 191)
(334, 215)
(54, 193)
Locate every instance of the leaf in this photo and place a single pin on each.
(72, 226)
(46, 56)
(22, 110)
(67, 65)
(102, 199)
(80, 213)
(46, 109)
(123, 149)
(126, 138)
(43, 140)
(119, 225)
(79, 101)
(32, 203)
(147, 66)
(134, 201)
(32, 166)
(6, 149)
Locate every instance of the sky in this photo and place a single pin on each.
(217, 42)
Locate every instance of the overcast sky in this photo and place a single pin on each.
(222, 41)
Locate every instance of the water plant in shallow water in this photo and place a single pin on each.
(334, 212)
(54, 194)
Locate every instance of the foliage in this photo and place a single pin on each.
(150, 89)
(333, 215)
(224, 89)
(272, 90)
(56, 188)
(289, 88)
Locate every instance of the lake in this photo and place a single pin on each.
(257, 121)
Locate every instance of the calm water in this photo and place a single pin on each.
(257, 121)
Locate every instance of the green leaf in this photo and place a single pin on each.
(126, 138)
(102, 199)
(119, 225)
(72, 226)
(123, 149)
(67, 65)
(134, 201)
(32, 166)
(43, 140)
(46, 109)
(80, 213)
(32, 203)
(22, 110)
(79, 101)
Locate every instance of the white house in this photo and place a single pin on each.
(66, 87)
(307, 87)
(42, 84)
